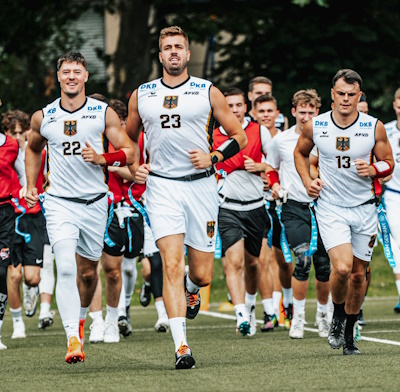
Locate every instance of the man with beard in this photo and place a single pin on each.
(177, 112)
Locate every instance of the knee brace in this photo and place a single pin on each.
(303, 263)
(322, 267)
(156, 277)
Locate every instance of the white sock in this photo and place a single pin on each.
(129, 275)
(161, 311)
(250, 299)
(112, 314)
(44, 308)
(398, 286)
(299, 305)
(191, 287)
(276, 298)
(241, 313)
(268, 306)
(47, 279)
(83, 313)
(287, 297)
(121, 303)
(16, 316)
(1, 323)
(96, 315)
(322, 308)
(67, 294)
(177, 326)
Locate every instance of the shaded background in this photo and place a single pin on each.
(296, 43)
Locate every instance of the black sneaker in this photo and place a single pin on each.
(125, 328)
(145, 295)
(193, 302)
(349, 346)
(336, 333)
(184, 358)
(360, 319)
(288, 317)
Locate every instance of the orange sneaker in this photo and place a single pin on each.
(75, 352)
(184, 358)
(82, 331)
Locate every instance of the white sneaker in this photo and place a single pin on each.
(31, 296)
(162, 325)
(97, 331)
(2, 346)
(253, 321)
(19, 330)
(111, 332)
(297, 328)
(322, 324)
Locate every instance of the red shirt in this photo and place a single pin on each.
(252, 150)
(8, 155)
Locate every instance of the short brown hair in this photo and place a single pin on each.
(170, 32)
(259, 79)
(349, 76)
(306, 97)
(265, 98)
(119, 107)
(71, 57)
(12, 117)
(234, 91)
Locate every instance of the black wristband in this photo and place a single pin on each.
(229, 148)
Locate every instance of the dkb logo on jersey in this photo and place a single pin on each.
(70, 127)
(210, 229)
(342, 143)
(170, 101)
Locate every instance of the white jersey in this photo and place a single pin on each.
(176, 120)
(66, 132)
(338, 147)
(268, 194)
(243, 185)
(281, 157)
(393, 134)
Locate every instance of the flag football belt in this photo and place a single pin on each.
(189, 177)
(291, 202)
(83, 201)
(241, 202)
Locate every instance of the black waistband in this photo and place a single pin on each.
(5, 198)
(375, 201)
(189, 177)
(242, 202)
(297, 203)
(83, 201)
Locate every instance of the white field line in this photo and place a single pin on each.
(367, 339)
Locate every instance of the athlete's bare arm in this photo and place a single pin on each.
(382, 152)
(117, 137)
(302, 162)
(313, 166)
(224, 115)
(33, 158)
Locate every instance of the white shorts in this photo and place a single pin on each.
(392, 204)
(149, 246)
(341, 225)
(184, 207)
(70, 220)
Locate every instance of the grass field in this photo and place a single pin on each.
(224, 361)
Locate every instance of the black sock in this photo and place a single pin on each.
(339, 311)
(350, 321)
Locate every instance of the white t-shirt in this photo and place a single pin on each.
(338, 147)
(176, 120)
(393, 134)
(69, 175)
(281, 157)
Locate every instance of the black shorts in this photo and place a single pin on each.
(7, 231)
(276, 229)
(297, 220)
(30, 253)
(120, 237)
(248, 225)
